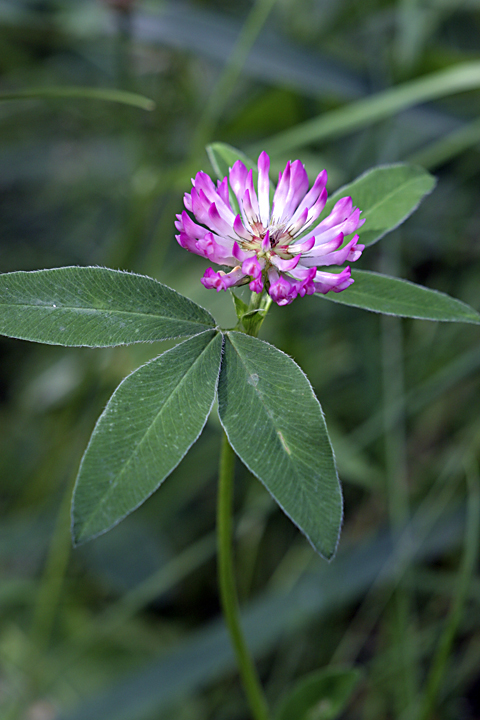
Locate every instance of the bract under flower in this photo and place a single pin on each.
(270, 247)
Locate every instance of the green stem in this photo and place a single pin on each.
(226, 581)
(257, 310)
(260, 301)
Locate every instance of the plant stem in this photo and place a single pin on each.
(226, 581)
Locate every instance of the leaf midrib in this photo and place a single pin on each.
(341, 192)
(308, 534)
(114, 484)
(260, 396)
(75, 308)
(392, 195)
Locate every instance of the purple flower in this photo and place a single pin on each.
(273, 248)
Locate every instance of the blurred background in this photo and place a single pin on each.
(127, 627)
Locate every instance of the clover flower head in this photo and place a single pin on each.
(270, 247)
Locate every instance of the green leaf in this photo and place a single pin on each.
(387, 196)
(275, 424)
(149, 424)
(81, 93)
(394, 296)
(252, 320)
(322, 695)
(94, 307)
(241, 308)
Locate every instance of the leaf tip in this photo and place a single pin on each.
(77, 535)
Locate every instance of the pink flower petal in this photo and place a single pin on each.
(253, 266)
(264, 188)
(240, 229)
(256, 285)
(240, 254)
(220, 280)
(301, 247)
(238, 177)
(324, 281)
(284, 265)
(253, 242)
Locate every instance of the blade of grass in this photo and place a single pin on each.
(432, 689)
(417, 398)
(80, 93)
(448, 147)
(396, 472)
(273, 60)
(360, 114)
(226, 84)
(206, 656)
(46, 604)
(430, 510)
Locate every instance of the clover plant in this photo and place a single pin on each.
(282, 241)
